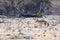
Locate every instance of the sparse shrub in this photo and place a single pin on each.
(38, 14)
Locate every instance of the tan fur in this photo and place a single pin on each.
(43, 23)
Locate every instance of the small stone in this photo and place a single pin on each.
(28, 22)
(55, 28)
(38, 35)
(14, 37)
(27, 37)
(44, 31)
(54, 35)
(8, 35)
(44, 35)
(36, 26)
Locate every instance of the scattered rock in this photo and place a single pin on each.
(13, 37)
(27, 37)
(8, 35)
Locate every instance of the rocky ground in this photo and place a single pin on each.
(30, 28)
